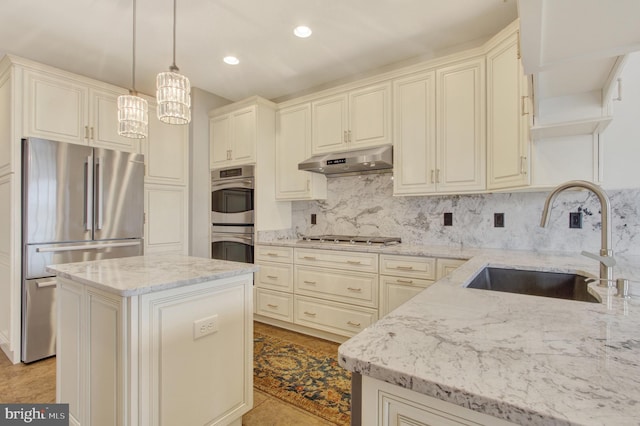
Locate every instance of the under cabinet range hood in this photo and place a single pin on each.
(369, 160)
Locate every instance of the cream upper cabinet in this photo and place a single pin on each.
(508, 116)
(460, 127)
(71, 110)
(293, 145)
(439, 127)
(357, 119)
(233, 138)
(166, 152)
(414, 146)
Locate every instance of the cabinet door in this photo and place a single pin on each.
(460, 127)
(370, 116)
(103, 125)
(329, 124)
(220, 135)
(55, 108)
(293, 145)
(414, 147)
(507, 117)
(166, 152)
(243, 136)
(394, 291)
(166, 219)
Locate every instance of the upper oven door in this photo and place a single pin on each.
(232, 201)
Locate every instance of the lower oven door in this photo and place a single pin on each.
(234, 246)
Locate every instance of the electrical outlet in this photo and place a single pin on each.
(313, 218)
(448, 219)
(205, 326)
(498, 220)
(575, 220)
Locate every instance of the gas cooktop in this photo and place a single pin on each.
(353, 239)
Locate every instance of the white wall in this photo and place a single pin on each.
(199, 196)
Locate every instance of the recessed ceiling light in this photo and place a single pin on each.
(302, 31)
(231, 60)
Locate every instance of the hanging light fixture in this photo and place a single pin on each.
(173, 90)
(133, 111)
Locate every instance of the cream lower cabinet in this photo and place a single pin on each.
(274, 282)
(402, 277)
(384, 404)
(445, 266)
(335, 291)
(136, 360)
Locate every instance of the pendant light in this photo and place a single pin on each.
(133, 111)
(173, 90)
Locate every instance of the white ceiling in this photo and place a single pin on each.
(350, 37)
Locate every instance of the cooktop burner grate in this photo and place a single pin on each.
(353, 239)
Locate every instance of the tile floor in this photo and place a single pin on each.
(36, 383)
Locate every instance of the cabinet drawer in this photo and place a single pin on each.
(408, 266)
(333, 317)
(274, 254)
(274, 304)
(446, 266)
(275, 276)
(348, 287)
(351, 261)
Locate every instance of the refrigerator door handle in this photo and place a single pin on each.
(99, 195)
(85, 247)
(88, 194)
(46, 284)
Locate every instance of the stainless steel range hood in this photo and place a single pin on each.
(369, 160)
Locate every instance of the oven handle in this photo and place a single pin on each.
(234, 238)
(239, 183)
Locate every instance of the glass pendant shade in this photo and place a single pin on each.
(173, 96)
(133, 116)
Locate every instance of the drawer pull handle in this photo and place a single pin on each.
(354, 324)
(309, 257)
(310, 282)
(354, 289)
(354, 262)
(311, 314)
(405, 268)
(271, 305)
(404, 281)
(272, 254)
(273, 277)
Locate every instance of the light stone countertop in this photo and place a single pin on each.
(132, 276)
(526, 359)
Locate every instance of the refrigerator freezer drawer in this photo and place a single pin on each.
(38, 319)
(38, 256)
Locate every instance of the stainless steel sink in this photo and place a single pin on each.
(535, 283)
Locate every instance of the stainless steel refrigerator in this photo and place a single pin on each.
(78, 203)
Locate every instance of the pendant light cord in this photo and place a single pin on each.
(173, 66)
(133, 78)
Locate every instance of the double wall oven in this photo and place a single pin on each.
(232, 214)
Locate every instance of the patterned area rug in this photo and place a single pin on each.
(302, 377)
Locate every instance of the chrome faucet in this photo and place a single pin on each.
(605, 258)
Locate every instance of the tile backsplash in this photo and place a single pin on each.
(365, 205)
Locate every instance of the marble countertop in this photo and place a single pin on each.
(131, 276)
(526, 359)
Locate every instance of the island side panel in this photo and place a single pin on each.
(196, 353)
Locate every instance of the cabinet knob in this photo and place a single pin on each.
(401, 281)
(354, 262)
(354, 324)
(311, 314)
(357, 290)
(309, 282)
(272, 306)
(523, 162)
(273, 277)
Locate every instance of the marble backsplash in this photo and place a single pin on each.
(365, 205)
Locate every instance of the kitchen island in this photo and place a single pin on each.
(158, 339)
(457, 355)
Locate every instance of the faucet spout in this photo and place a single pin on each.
(606, 264)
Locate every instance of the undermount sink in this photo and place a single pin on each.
(534, 283)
